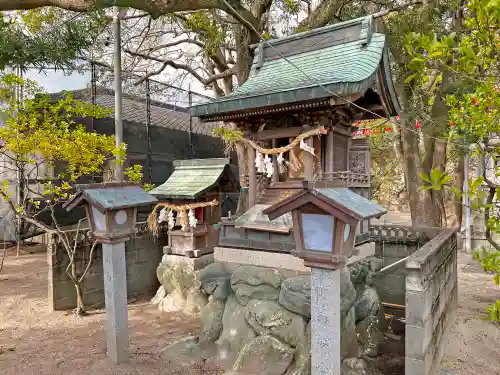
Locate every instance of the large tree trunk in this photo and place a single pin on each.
(421, 207)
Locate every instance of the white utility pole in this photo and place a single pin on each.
(119, 170)
(467, 242)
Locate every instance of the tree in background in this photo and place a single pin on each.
(471, 55)
(214, 42)
(39, 133)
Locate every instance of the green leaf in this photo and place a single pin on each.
(411, 77)
(424, 178)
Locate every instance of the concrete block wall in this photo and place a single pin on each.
(391, 286)
(143, 254)
(431, 299)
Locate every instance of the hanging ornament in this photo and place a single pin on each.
(192, 219)
(387, 129)
(472, 118)
(163, 214)
(417, 124)
(474, 101)
(305, 147)
(398, 117)
(452, 123)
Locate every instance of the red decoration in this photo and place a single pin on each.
(398, 118)
(417, 124)
(472, 118)
(474, 101)
(387, 129)
(452, 123)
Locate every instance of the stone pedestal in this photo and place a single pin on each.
(192, 244)
(115, 290)
(325, 322)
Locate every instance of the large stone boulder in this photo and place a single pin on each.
(264, 355)
(348, 293)
(211, 321)
(295, 295)
(270, 318)
(367, 304)
(369, 335)
(301, 364)
(181, 289)
(216, 281)
(349, 346)
(252, 282)
(236, 331)
(354, 366)
(195, 302)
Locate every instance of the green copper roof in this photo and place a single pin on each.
(344, 58)
(255, 219)
(191, 178)
(360, 206)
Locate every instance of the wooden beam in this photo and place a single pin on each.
(252, 177)
(308, 158)
(290, 132)
(276, 171)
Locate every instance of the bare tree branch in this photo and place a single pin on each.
(155, 8)
(189, 69)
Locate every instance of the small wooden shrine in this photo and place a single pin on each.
(296, 115)
(190, 205)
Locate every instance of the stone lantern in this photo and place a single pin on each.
(111, 211)
(324, 225)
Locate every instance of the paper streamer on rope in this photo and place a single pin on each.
(171, 219)
(153, 218)
(192, 219)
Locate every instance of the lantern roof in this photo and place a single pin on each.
(111, 196)
(339, 198)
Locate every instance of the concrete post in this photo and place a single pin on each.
(325, 322)
(115, 291)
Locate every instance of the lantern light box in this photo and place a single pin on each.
(111, 208)
(324, 223)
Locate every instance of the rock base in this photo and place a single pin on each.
(257, 321)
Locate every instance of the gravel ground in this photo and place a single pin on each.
(34, 340)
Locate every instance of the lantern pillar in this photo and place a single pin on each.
(325, 321)
(115, 291)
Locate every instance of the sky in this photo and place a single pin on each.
(56, 81)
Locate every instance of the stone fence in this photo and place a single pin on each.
(431, 299)
(143, 254)
(392, 244)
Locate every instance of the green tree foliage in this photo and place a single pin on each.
(471, 53)
(38, 134)
(45, 37)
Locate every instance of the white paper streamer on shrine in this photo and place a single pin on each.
(192, 219)
(305, 147)
(259, 163)
(163, 214)
(181, 216)
(268, 163)
(171, 220)
(281, 163)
